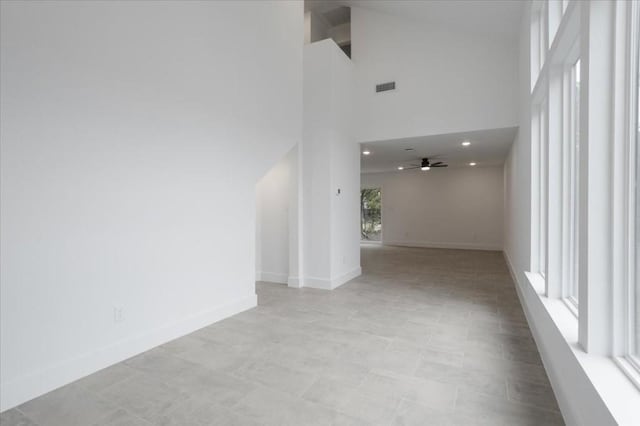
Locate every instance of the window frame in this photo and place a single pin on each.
(626, 192)
(571, 285)
(539, 190)
(633, 181)
(608, 170)
(543, 183)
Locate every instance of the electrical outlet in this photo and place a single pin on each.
(117, 314)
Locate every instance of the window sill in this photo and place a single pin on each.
(537, 282)
(630, 368)
(604, 374)
(572, 306)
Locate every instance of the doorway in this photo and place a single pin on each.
(371, 214)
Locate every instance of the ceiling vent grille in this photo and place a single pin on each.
(383, 87)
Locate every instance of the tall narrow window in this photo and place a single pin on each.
(370, 215)
(574, 171)
(635, 344)
(542, 239)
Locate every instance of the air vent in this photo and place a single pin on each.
(386, 86)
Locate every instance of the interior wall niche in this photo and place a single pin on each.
(325, 20)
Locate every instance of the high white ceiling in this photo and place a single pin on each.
(488, 148)
(494, 17)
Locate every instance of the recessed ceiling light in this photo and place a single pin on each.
(366, 152)
(472, 164)
(425, 168)
(466, 143)
(400, 168)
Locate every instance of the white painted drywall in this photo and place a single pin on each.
(307, 27)
(446, 80)
(330, 162)
(133, 134)
(345, 173)
(517, 169)
(316, 27)
(273, 199)
(450, 208)
(315, 156)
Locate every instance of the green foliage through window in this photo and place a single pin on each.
(370, 214)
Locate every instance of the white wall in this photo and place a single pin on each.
(315, 153)
(273, 203)
(316, 27)
(345, 173)
(450, 208)
(517, 171)
(330, 162)
(133, 134)
(446, 80)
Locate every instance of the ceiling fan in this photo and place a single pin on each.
(426, 165)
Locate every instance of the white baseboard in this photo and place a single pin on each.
(30, 386)
(429, 244)
(272, 277)
(294, 282)
(338, 281)
(319, 283)
(333, 283)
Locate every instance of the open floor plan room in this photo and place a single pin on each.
(319, 212)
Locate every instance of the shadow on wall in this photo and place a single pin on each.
(276, 199)
(323, 20)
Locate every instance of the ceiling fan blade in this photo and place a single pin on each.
(436, 164)
(413, 167)
(440, 165)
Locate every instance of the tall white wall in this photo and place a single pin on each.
(345, 173)
(330, 163)
(446, 80)
(273, 198)
(133, 134)
(450, 208)
(315, 153)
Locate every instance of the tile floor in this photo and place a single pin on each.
(423, 337)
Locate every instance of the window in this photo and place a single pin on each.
(542, 228)
(370, 215)
(539, 190)
(635, 144)
(629, 270)
(573, 152)
(585, 209)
